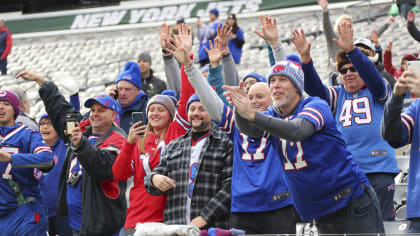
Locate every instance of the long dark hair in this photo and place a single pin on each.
(235, 26)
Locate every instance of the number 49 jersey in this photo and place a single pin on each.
(319, 170)
(359, 118)
(257, 179)
(17, 181)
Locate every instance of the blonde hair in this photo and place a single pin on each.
(340, 20)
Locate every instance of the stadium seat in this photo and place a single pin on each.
(403, 163)
(401, 212)
(400, 194)
(396, 227)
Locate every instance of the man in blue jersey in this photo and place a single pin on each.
(87, 192)
(22, 208)
(261, 202)
(357, 105)
(325, 184)
(49, 181)
(401, 128)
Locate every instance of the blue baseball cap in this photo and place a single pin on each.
(104, 100)
(215, 12)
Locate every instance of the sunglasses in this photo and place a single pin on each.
(344, 70)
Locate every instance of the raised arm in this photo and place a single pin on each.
(230, 74)
(328, 29)
(411, 26)
(397, 128)
(312, 83)
(171, 67)
(388, 59)
(270, 34)
(385, 26)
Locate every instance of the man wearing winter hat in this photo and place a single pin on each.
(358, 107)
(152, 85)
(251, 79)
(325, 183)
(178, 174)
(88, 193)
(22, 149)
(131, 98)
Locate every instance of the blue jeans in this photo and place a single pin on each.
(3, 66)
(361, 215)
(404, 8)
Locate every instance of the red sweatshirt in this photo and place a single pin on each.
(143, 206)
(9, 42)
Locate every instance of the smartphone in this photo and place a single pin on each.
(414, 65)
(71, 119)
(137, 116)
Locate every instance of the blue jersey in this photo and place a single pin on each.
(257, 180)
(359, 115)
(234, 49)
(210, 34)
(359, 118)
(49, 181)
(319, 170)
(28, 151)
(411, 133)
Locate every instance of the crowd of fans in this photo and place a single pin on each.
(214, 151)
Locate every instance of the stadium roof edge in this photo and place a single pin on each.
(283, 11)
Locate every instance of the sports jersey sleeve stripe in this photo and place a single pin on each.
(387, 92)
(42, 149)
(227, 120)
(408, 122)
(333, 99)
(317, 113)
(182, 122)
(311, 117)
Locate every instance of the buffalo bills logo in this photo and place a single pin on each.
(3, 93)
(278, 68)
(126, 77)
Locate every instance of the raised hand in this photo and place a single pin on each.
(164, 35)
(411, 16)
(401, 86)
(374, 38)
(389, 47)
(303, 47)
(180, 45)
(224, 33)
(31, 76)
(323, 4)
(215, 53)
(390, 20)
(136, 131)
(66, 81)
(269, 30)
(236, 96)
(345, 32)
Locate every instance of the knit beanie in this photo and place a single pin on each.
(193, 98)
(258, 77)
(215, 12)
(163, 100)
(131, 73)
(291, 67)
(410, 57)
(12, 98)
(171, 94)
(145, 56)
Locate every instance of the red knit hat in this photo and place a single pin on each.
(12, 98)
(410, 57)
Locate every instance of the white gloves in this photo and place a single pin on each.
(64, 80)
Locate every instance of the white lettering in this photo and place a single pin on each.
(113, 18)
(95, 20)
(237, 6)
(151, 14)
(135, 16)
(224, 7)
(168, 13)
(185, 10)
(252, 6)
(80, 21)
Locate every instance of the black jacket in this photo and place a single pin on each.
(152, 85)
(103, 199)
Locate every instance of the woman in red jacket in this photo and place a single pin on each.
(141, 153)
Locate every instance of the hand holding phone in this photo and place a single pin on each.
(71, 119)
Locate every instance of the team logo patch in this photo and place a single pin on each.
(278, 68)
(3, 93)
(126, 77)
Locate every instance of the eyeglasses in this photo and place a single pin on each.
(343, 71)
(47, 123)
